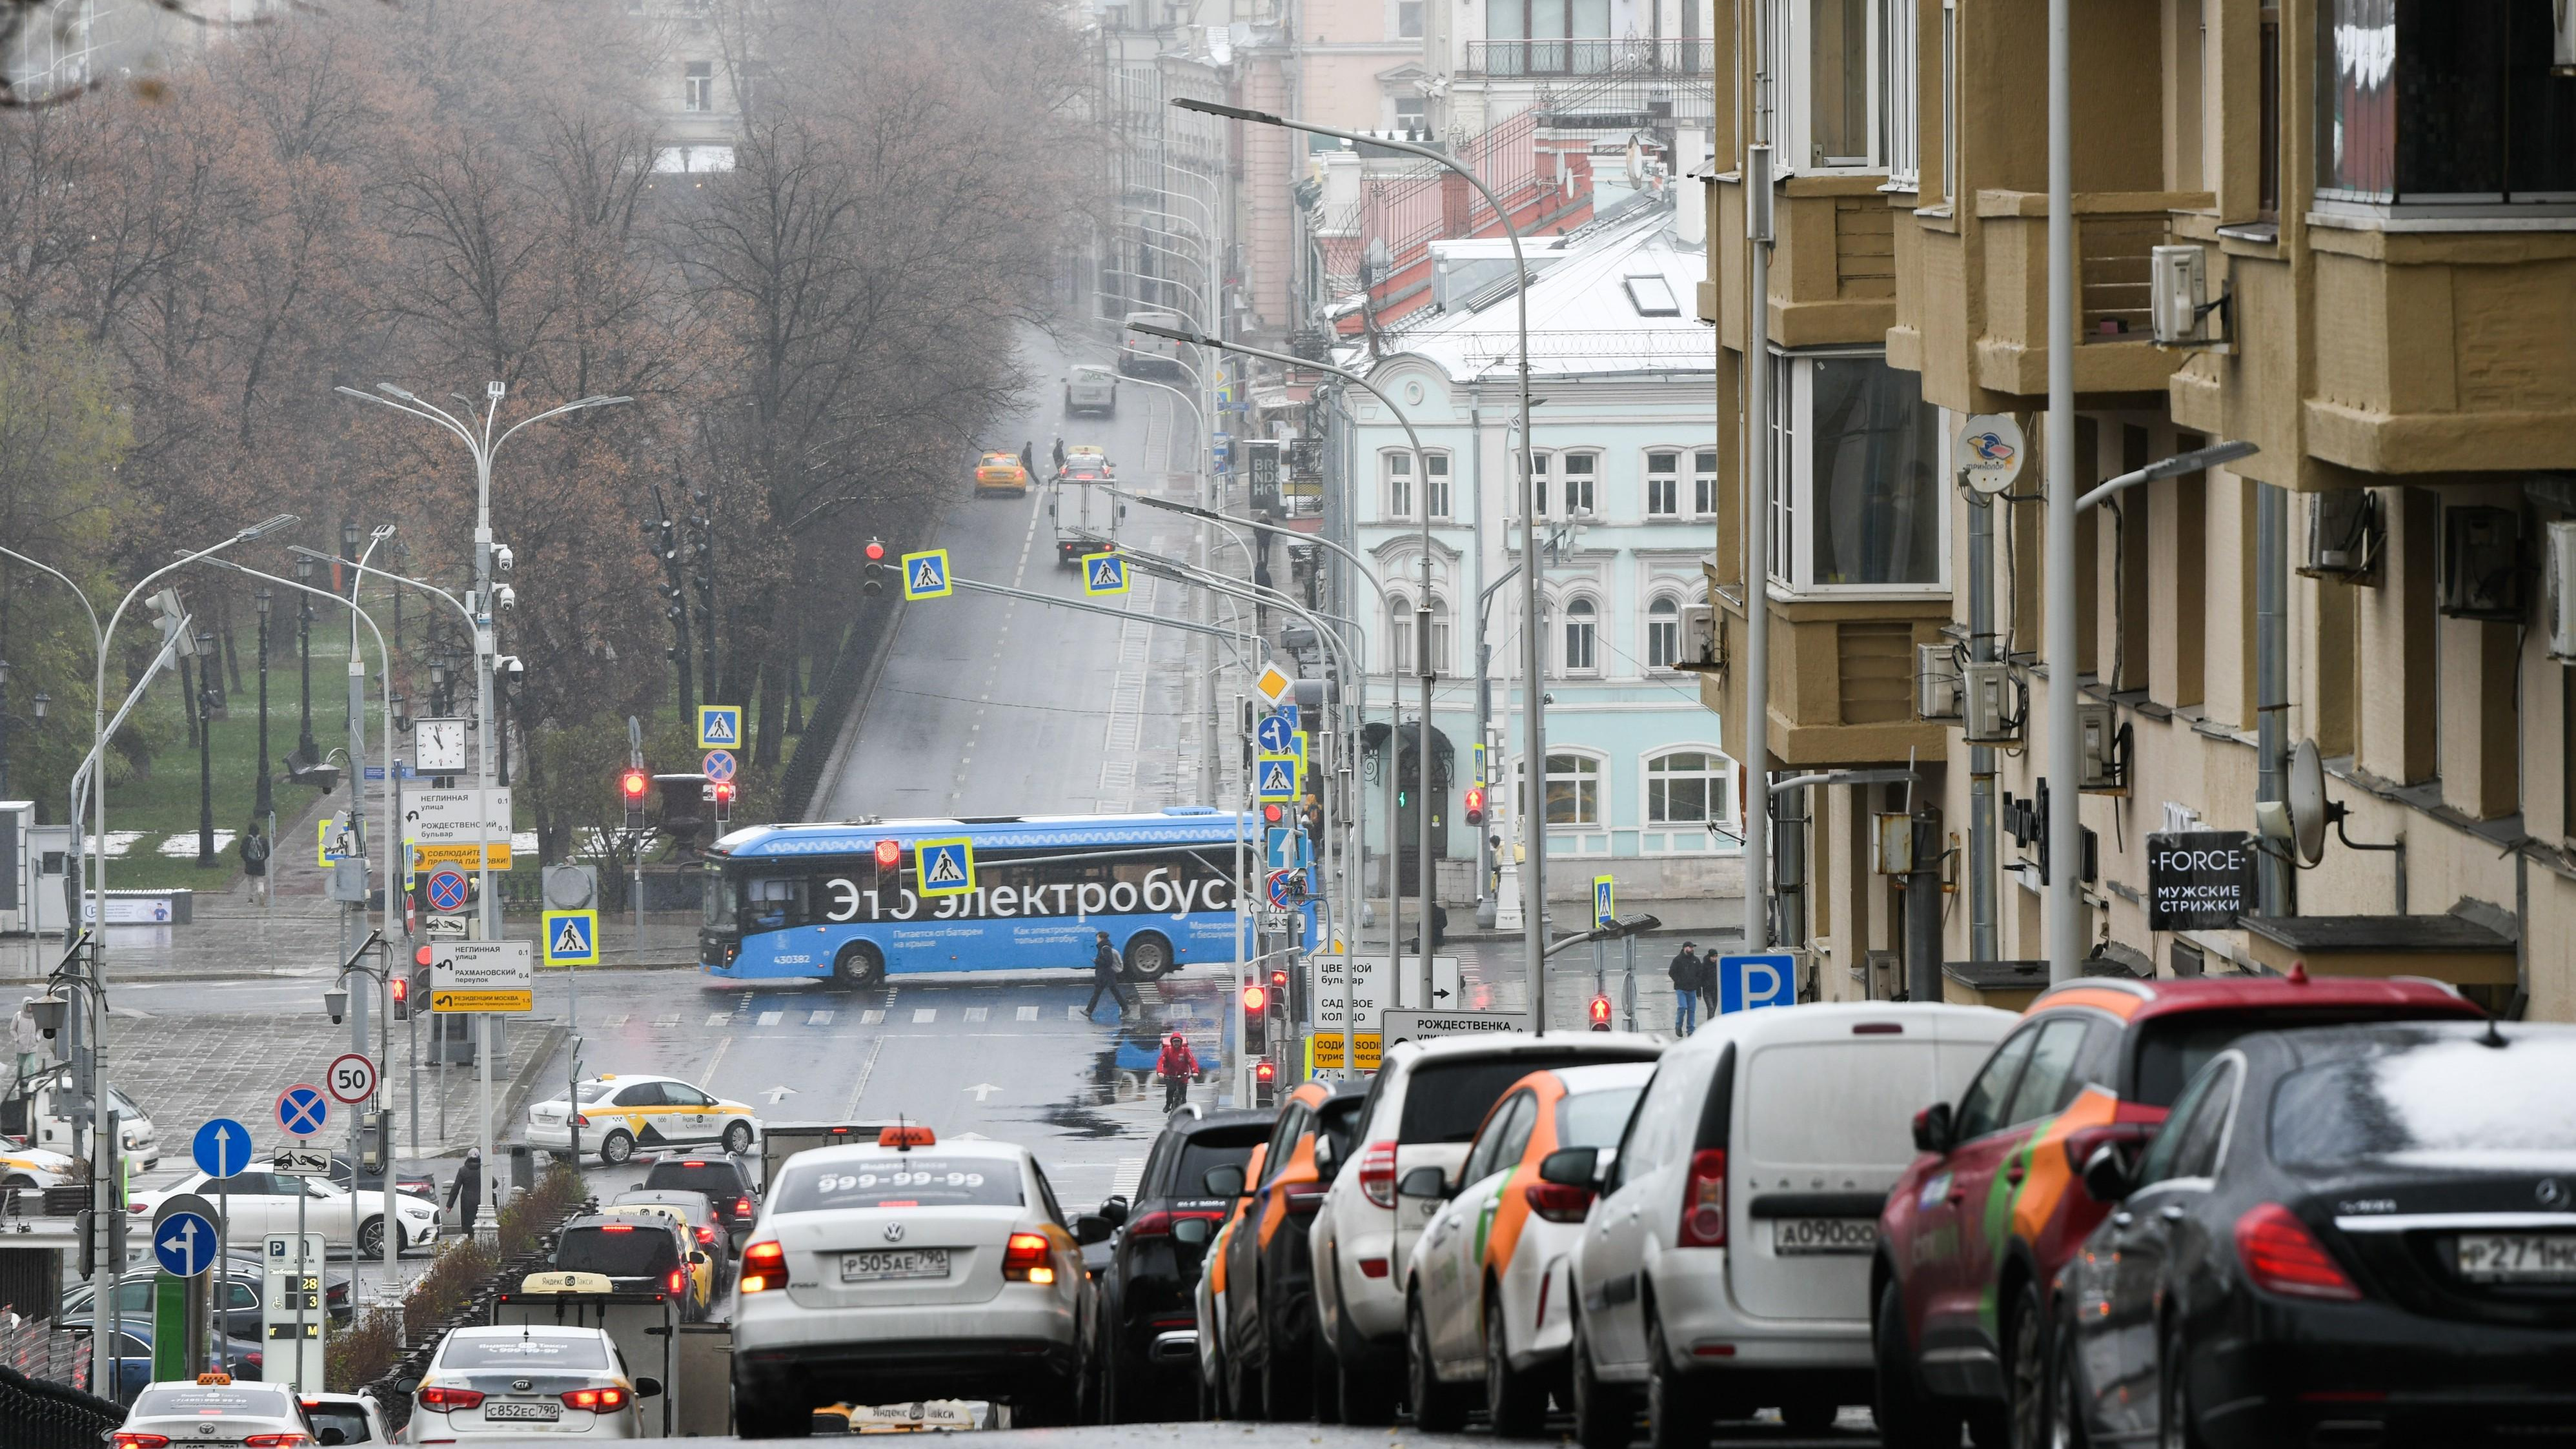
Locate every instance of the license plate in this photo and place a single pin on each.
(909, 1263)
(2518, 1257)
(543, 1413)
(1823, 1235)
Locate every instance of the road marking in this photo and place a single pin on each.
(1076, 1013)
(824, 1018)
(718, 1018)
(772, 1018)
(871, 1018)
(620, 1019)
(924, 1014)
(722, 1047)
(1028, 1013)
(1131, 1170)
(975, 1013)
(666, 1021)
(859, 1088)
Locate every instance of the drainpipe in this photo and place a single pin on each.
(1982, 942)
(1755, 749)
(2272, 677)
(1485, 903)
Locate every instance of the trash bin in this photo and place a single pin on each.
(523, 1166)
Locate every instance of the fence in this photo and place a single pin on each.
(38, 1413)
(1598, 56)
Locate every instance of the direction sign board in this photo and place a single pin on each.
(719, 726)
(456, 817)
(1399, 1027)
(1273, 733)
(222, 1147)
(1104, 573)
(302, 1161)
(1747, 982)
(185, 1245)
(302, 1110)
(351, 1078)
(1604, 913)
(1277, 775)
(925, 576)
(944, 867)
(447, 889)
(1273, 683)
(718, 765)
(467, 976)
(493, 855)
(572, 938)
(1279, 848)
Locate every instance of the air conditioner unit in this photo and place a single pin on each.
(2178, 297)
(1937, 684)
(2481, 563)
(1699, 634)
(2344, 534)
(2560, 561)
(2101, 764)
(1988, 711)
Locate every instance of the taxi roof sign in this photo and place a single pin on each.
(907, 1138)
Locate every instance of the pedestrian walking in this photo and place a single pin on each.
(1686, 971)
(254, 859)
(1315, 825)
(1059, 453)
(1029, 457)
(465, 1194)
(1179, 1067)
(1104, 977)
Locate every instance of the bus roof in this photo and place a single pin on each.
(1179, 825)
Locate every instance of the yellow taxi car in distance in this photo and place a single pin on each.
(1001, 473)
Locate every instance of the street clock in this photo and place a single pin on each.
(438, 746)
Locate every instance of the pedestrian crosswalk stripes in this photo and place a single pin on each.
(977, 1013)
(1075, 1013)
(871, 1018)
(772, 1018)
(718, 1018)
(924, 1015)
(1028, 1013)
(615, 1021)
(666, 1021)
(1156, 1005)
(819, 1018)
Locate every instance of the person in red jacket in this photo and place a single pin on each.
(1178, 1069)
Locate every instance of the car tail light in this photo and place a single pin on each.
(617, 1227)
(1372, 1267)
(1558, 1202)
(764, 1266)
(598, 1401)
(451, 1399)
(2281, 1255)
(580, 1121)
(1024, 1260)
(1305, 1197)
(1152, 1225)
(276, 1441)
(706, 1235)
(742, 1207)
(1377, 1173)
(1704, 1201)
(142, 1441)
(678, 1276)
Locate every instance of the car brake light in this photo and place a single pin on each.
(1372, 1267)
(2281, 1255)
(142, 1441)
(1558, 1202)
(598, 1401)
(1704, 1201)
(1024, 1260)
(580, 1121)
(706, 1235)
(617, 1227)
(1377, 1173)
(1155, 1224)
(742, 1207)
(276, 1441)
(450, 1399)
(678, 1276)
(764, 1266)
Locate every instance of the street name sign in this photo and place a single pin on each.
(719, 726)
(925, 576)
(457, 817)
(572, 938)
(478, 976)
(1399, 1027)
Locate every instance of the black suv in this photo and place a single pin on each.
(1141, 1326)
(725, 1178)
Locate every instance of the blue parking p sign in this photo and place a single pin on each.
(1746, 982)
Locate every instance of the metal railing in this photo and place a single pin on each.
(41, 1414)
(1599, 56)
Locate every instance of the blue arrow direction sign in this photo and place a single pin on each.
(222, 1147)
(447, 889)
(185, 1244)
(1273, 734)
(302, 1110)
(1280, 852)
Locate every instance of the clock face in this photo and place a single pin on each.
(439, 746)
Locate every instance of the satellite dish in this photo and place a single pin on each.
(1990, 453)
(2307, 791)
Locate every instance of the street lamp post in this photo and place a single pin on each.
(1534, 659)
(264, 804)
(304, 747)
(4, 729)
(206, 858)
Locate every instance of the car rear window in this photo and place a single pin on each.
(1595, 1119)
(1868, 1116)
(909, 1181)
(530, 1351)
(1446, 1100)
(210, 1399)
(2173, 1049)
(349, 1419)
(2425, 1098)
(620, 1250)
(1221, 1147)
(720, 1181)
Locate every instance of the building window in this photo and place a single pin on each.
(1573, 790)
(1704, 483)
(1411, 113)
(2424, 102)
(1897, 77)
(699, 87)
(1663, 632)
(1663, 485)
(1857, 495)
(1538, 483)
(2267, 174)
(1690, 787)
(1547, 37)
(1399, 634)
(1580, 471)
(1399, 484)
(1831, 106)
(1435, 485)
(1408, 19)
(1440, 655)
(1582, 637)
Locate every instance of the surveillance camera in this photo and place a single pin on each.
(504, 597)
(502, 558)
(336, 1003)
(511, 670)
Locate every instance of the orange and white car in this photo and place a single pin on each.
(1487, 1296)
(1210, 1296)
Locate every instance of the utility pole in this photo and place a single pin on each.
(1755, 748)
(2065, 889)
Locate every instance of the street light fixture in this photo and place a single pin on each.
(304, 748)
(206, 859)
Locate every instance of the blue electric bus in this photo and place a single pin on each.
(844, 901)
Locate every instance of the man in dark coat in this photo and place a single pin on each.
(1104, 977)
(1688, 973)
(465, 1194)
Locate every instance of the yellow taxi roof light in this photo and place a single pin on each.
(907, 1137)
(214, 1377)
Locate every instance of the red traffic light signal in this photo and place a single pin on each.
(633, 782)
(889, 854)
(1600, 1012)
(1474, 801)
(1278, 980)
(723, 792)
(402, 986)
(420, 957)
(876, 551)
(1254, 999)
(1265, 1071)
(1273, 813)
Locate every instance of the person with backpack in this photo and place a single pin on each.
(254, 859)
(1689, 974)
(1178, 1067)
(1104, 977)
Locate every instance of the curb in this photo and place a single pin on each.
(515, 1096)
(860, 697)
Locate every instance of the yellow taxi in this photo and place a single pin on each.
(622, 1113)
(1001, 473)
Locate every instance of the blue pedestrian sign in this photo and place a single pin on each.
(1273, 734)
(572, 938)
(944, 867)
(222, 1147)
(719, 726)
(302, 1110)
(447, 889)
(1747, 982)
(925, 575)
(1604, 914)
(1277, 777)
(1104, 573)
(718, 765)
(185, 1244)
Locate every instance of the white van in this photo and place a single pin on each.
(1727, 1259)
(1140, 353)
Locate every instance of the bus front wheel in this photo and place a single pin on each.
(858, 965)
(1149, 957)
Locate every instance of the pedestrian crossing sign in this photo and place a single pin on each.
(1277, 777)
(719, 726)
(944, 867)
(1602, 914)
(572, 938)
(1104, 573)
(925, 575)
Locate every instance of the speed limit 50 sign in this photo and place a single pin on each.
(352, 1078)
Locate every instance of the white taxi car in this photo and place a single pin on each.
(263, 1202)
(518, 1380)
(214, 1409)
(912, 1269)
(626, 1111)
(33, 1167)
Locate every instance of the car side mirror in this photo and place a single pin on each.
(1090, 1228)
(1932, 1128)
(648, 1388)
(406, 1386)
(1225, 1180)
(1193, 1232)
(1572, 1167)
(698, 1257)
(1424, 1182)
(1114, 1209)
(1328, 1162)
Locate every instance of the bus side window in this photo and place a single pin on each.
(775, 901)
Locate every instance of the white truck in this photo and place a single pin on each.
(34, 1114)
(1084, 512)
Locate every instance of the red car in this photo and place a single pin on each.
(1975, 1231)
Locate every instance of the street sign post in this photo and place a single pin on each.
(1104, 573)
(1273, 683)
(572, 938)
(1604, 912)
(446, 889)
(925, 576)
(718, 765)
(944, 867)
(291, 1313)
(456, 817)
(719, 726)
(1403, 1026)
(302, 1110)
(1282, 889)
(185, 1244)
(352, 1078)
(302, 1161)
(1277, 775)
(482, 976)
(1273, 733)
(222, 1147)
(1747, 982)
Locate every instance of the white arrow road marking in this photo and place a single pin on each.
(779, 1094)
(982, 1090)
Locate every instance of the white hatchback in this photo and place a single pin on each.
(911, 1269)
(526, 1381)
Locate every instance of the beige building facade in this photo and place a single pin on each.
(2384, 231)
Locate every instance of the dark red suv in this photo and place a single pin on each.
(1974, 1233)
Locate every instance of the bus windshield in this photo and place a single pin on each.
(719, 902)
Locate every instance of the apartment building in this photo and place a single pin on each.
(2377, 199)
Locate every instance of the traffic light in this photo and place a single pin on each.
(1474, 801)
(376, 1140)
(723, 791)
(633, 783)
(889, 854)
(1265, 1071)
(1256, 1018)
(1273, 813)
(1600, 1013)
(872, 571)
(402, 996)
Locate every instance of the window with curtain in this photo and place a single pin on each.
(1399, 633)
(1399, 484)
(1663, 485)
(2447, 102)
(1704, 483)
(1573, 790)
(1581, 469)
(1582, 636)
(1440, 655)
(1690, 787)
(1871, 475)
(1435, 483)
(1663, 632)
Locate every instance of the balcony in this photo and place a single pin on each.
(1590, 57)
(1842, 677)
(2114, 234)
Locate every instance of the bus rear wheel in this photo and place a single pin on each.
(1149, 957)
(858, 965)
